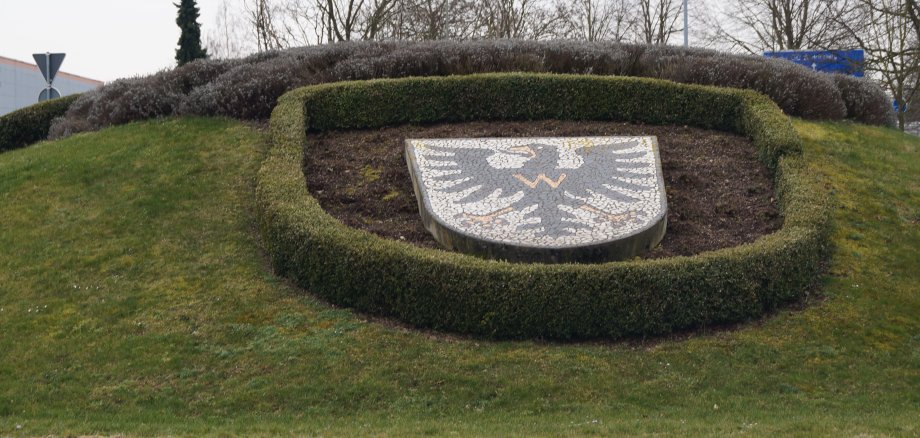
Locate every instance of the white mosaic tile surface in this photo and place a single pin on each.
(540, 192)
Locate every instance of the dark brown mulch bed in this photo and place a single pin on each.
(719, 195)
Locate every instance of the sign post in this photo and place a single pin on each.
(686, 25)
(49, 64)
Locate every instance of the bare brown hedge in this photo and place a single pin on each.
(249, 88)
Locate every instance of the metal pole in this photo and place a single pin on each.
(686, 26)
(48, 69)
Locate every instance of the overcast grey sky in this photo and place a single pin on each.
(103, 39)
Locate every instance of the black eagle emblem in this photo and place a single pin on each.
(557, 190)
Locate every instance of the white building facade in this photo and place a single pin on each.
(21, 82)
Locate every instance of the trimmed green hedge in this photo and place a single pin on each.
(29, 125)
(456, 292)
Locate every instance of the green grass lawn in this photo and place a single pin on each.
(134, 299)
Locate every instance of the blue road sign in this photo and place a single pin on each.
(48, 94)
(849, 62)
(49, 64)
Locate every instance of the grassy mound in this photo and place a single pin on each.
(465, 294)
(163, 319)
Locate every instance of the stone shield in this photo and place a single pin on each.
(552, 200)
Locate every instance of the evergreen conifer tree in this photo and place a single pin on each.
(190, 41)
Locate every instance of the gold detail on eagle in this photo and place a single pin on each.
(542, 177)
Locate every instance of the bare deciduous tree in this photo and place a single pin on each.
(302, 22)
(265, 24)
(225, 39)
(756, 26)
(279, 24)
(347, 20)
(885, 30)
(435, 19)
(598, 20)
(339, 18)
(909, 9)
(521, 19)
(658, 20)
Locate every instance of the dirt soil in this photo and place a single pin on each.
(719, 195)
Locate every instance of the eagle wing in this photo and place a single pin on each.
(467, 172)
(614, 179)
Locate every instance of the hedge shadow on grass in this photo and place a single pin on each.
(460, 293)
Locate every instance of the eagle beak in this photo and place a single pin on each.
(524, 150)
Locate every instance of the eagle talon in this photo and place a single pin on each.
(487, 221)
(602, 216)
